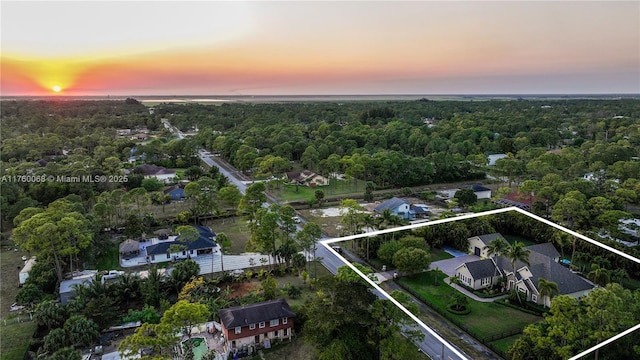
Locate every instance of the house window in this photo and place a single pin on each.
(284, 320)
(238, 330)
(252, 326)
(184, 253)
(534, 298)
(191, 252)
(285, 332)
(486, 281)
(153, 257)
(274, 322)
(275, 334)
(168, 256)
(261, 324)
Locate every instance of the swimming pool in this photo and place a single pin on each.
(199, 347)
(454, 252)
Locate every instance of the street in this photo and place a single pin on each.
(430, 345)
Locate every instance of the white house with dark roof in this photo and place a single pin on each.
(479, 274)
(256, 324)
(543, 264)
(478, 244)
(174, 249)
(480, 191)
(153, 171)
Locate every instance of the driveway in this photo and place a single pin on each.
(449, 266)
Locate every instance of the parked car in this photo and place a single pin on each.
(296, 219)
(337, 249)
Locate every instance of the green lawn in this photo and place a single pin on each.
(305, 193)
(15, 338)
(504, 344)
(512, 238)
(110, 260)
(293, 279)
(439, 254)
(236, 229)
(485, 319)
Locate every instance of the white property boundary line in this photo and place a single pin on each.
(327, 244)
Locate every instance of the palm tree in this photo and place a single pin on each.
(370, 222)
(516, 252)
(599, 275)
(497, 247)
(547, 288)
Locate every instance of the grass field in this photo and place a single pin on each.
(485, 320)
(305, 193)
(15, 338)
(512, 238)
(110, 260)
(236, 229)
(439, 254)
(15, 335)
(505, 344)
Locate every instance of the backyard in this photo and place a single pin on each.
(485, 321)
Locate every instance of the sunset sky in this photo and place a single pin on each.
(319, 47)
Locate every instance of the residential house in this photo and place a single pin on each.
(67, 287)
(163, 174)
(543, 264)
(256, 324)
(175, 192)
(480, 191)
(630, 227)
(420, 211)
(492, 158)
(517, 199)
(479, 274)
(478, 244)
(397, 206)
(307, 178)
(140, 136)
(175, 249)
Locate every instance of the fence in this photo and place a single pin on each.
(17, 319)
(485, 341)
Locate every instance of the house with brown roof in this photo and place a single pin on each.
(257, 325)
(307, 178)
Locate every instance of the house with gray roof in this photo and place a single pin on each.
(478, 244)
(397, 206)
(479, 274)
(67, 287)
(256, 324)
(543, 264)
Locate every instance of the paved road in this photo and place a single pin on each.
(431, 346)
